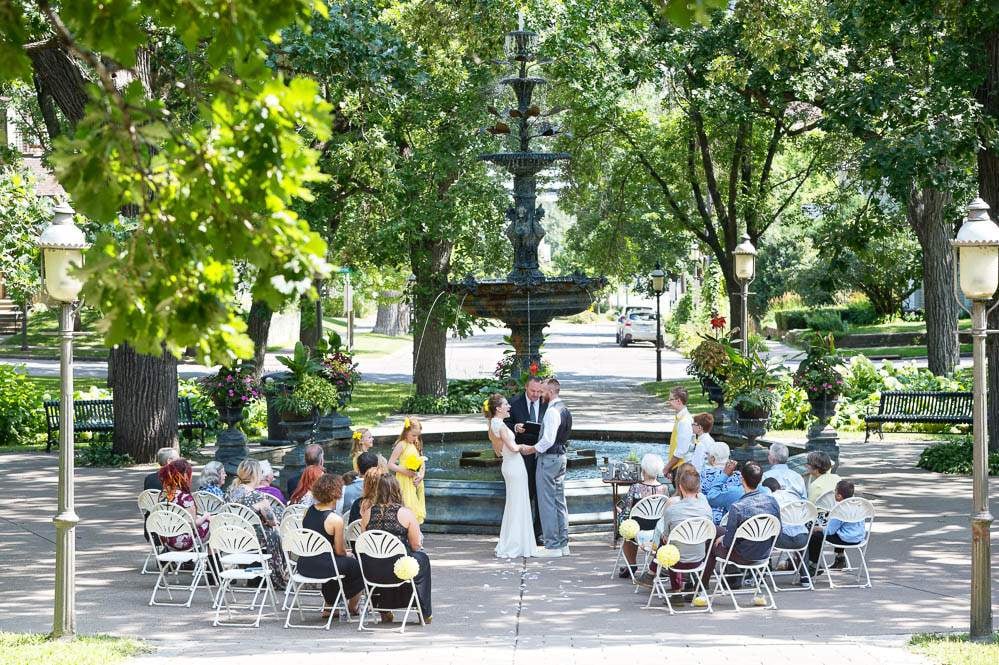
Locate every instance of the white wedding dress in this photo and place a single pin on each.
(517, 531)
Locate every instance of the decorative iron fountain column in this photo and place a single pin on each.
(527, 300)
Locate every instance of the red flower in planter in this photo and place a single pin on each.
(533, 369)
(717, 322)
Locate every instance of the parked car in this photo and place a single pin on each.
(636, 324)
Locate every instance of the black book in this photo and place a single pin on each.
(532, 428)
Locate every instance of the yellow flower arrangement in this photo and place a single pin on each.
(406, 568)
(667, 555)
(411, 462)
(629, 529)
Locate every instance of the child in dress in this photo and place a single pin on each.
(407, 462)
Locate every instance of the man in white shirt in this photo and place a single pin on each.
(556, 427)
(779, 470)
(703, 422)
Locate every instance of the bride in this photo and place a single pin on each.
(517, 532)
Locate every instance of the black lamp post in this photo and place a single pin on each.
(658, 285)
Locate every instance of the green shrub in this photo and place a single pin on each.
(954, 457)
(479, 388)
(201, 407)
(860, 312)
(428, 404)
(100, 453)
(22, 416)
(255, 418)
(793, 410)
(825, 321)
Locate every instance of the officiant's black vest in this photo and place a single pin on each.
(564, 430)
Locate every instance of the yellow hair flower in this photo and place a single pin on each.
(357, 435)
(485, 405)
(406, 423)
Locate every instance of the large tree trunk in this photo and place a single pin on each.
(145, 402)
(393, 316)
(258, 327)
(431, 267)
(925, 214)
(988, 187)
(59, 77)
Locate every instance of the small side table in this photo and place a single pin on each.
(615, 497)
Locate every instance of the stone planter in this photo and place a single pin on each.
(752, 425)
(230, 446)
(298, 430)
(332, 426)
(724, 418)
(821, 435)
(276, 435)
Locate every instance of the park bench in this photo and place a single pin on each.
(97, 415)
(925, 407)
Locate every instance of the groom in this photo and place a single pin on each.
(551, 448)
(529, 407)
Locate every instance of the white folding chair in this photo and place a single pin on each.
(273, 499)
(147, 501)
(306, 542)
(854, 509)
(758, 528)
(649, 508)
(247, 513)
(290, 524)
(824, 504)
(694, 531)
(236, 547)
(164, 523)
(383, 545)
(352, 533)
(803, 514)
(296, 509)
(207, 503)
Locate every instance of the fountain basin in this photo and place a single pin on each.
(519, 303)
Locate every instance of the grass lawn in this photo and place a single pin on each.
(50, 384)
(373, 402)
(30, 649)
(698, 400)
(365, 344)
(43, 338)
(903, 352)
(955, 649)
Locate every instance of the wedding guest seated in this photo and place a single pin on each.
(703, 443)
(245, 490)
(302, 493)
(818, 465)
(314, 456)
(267, 483)
(836, 532)
(368, 487)
(648, 486)
(792, 537)
(752, 503)
(779, 470)
(322, 518)
(212, 479)
(163, 457)
(722, 481)
(386, 512)
(352, 491)
(686, 504)
(175, 478)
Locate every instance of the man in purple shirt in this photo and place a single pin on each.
(752, 503)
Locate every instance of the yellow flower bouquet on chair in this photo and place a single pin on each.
(667, 555)
(629, 529)
(406, 568)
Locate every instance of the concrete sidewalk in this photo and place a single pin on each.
(566, 610)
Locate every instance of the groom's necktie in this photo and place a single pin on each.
(534, 412)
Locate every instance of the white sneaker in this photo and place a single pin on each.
(546, 553)
(565, 551)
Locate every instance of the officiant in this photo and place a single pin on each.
(529, 408)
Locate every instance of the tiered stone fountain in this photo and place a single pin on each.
(526, 301)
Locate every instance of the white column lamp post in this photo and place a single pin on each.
(977, 246)
(62, 244)
(745, 271)
(658, 278)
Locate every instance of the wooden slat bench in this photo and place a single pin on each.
(924, 407)
(97, 416)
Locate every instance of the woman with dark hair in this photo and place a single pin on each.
(302, 493)
(322, 518)
(386, 512)
(176, 480)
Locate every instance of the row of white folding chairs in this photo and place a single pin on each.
(701, 531)
(647, 509)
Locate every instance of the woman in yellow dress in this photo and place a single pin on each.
(363, 440)
(407, 463)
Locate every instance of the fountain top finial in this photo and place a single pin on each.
(520, 21)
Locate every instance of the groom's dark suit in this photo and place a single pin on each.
(520, 413)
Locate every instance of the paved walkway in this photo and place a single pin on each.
(489, 611)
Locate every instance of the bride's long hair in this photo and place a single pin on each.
(493, 403)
